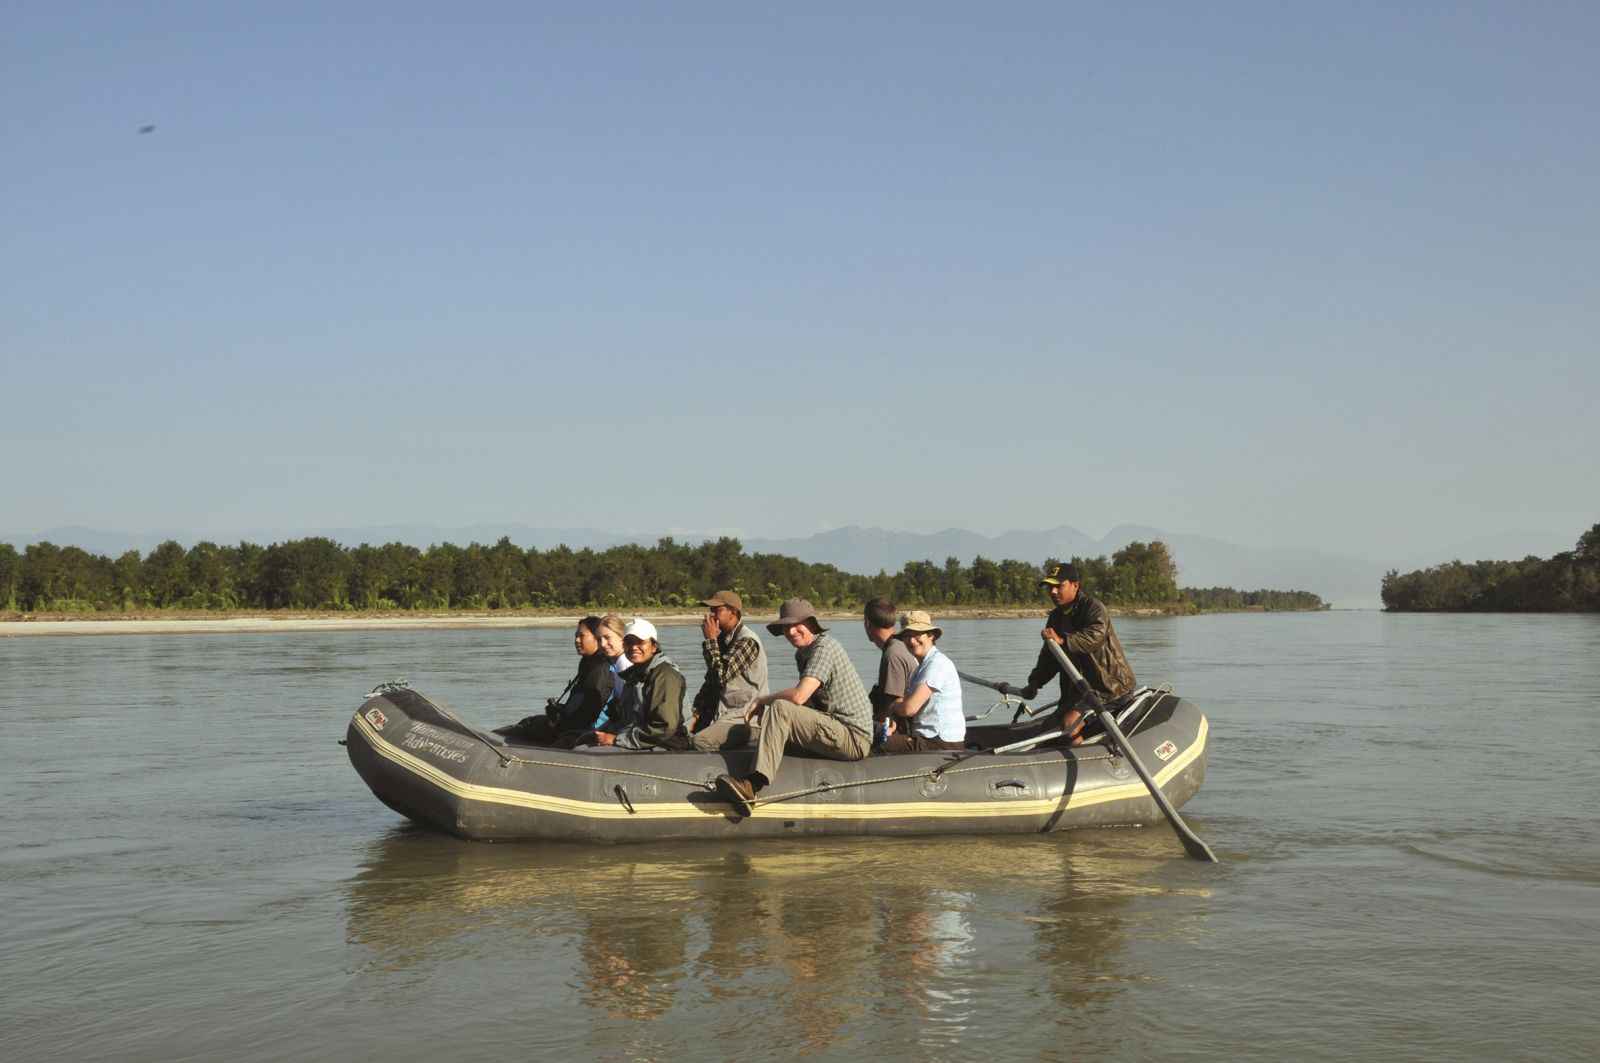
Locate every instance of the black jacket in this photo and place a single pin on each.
(1092, 646)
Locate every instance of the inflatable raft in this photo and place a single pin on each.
(429, 766)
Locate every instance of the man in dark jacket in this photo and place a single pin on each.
(1080, 625)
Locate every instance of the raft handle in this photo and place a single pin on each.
(622, 795)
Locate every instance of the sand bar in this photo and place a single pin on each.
(27, 625)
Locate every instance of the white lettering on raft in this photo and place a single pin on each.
(440, 735)
(429, 746)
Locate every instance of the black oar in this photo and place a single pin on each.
(1191, 841)
(1026, 743)
(1006, 690)
(1002, 688)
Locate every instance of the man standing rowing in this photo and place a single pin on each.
(1080, 625)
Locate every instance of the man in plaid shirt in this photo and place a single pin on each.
(736, 674)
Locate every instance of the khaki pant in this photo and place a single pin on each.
(725, 734)
(784, 722)
(901, 743)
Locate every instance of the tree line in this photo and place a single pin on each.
(319, 574)
(1566, 583)
(1227, 599)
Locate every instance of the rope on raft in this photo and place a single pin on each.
(984, 766)
(698, 784)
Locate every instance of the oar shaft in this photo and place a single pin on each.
(1012, 748)
(990, 684)
(1192, 843)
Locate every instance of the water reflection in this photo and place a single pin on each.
(798, 947)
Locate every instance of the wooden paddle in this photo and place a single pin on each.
(1191, 841)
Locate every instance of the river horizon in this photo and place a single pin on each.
(1408, 867)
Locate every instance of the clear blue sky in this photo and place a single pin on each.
(1287, 274)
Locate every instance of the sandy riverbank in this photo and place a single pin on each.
(26, 625)
(33, 625)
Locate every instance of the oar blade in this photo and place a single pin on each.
(1191, 841)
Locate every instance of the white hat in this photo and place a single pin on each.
(640, 629)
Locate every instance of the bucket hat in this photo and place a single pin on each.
(795, 611)
(917, 621)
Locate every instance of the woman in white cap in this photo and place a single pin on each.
(649, 714)
(930, 717)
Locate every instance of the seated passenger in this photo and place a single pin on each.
(826, 712)
(577, 707)
(649, 714)
(736, 674)
(611, 629)
(895, 665)
(930, 716)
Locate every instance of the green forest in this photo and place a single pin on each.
(1569, 582)
(320, 574)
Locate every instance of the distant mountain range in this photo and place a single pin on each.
(1343, 581)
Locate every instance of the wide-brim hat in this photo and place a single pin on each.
(916, 621)
(792, 612)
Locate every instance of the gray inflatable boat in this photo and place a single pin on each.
(429, 766)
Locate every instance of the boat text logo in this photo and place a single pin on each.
(436, 743)
(377, 719)
(1165, 751)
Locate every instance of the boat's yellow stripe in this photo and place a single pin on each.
(797, 809)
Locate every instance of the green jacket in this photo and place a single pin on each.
(650, 711)
(1092, 646)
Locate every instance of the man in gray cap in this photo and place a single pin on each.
(736, 674)
(826, 712)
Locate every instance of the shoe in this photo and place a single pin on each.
(738, 793)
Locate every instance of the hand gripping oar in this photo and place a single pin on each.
(1007, 691)
(1191, 841)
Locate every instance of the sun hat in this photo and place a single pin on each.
(792, 612)
(916, 622)
(727, 598)
(1066, 572)
(641, 630)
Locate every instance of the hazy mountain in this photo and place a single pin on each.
(1344, 581)
(869, 550)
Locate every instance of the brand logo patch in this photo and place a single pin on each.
(377, 718)
(1165, 750)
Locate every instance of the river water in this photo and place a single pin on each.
(1404, 806)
